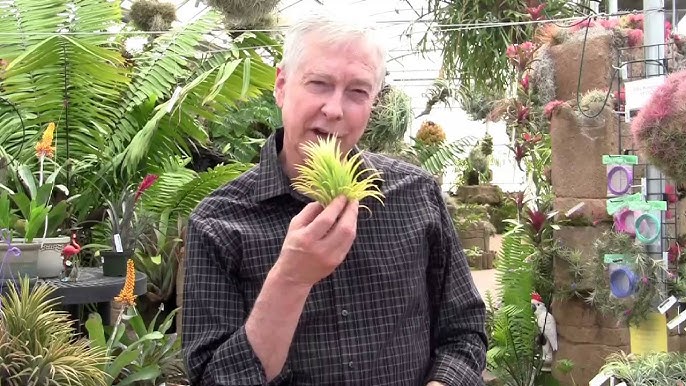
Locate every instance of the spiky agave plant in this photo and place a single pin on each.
(326, 174)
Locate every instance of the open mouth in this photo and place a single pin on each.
(321, 133)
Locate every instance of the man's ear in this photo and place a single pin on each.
(279, 87)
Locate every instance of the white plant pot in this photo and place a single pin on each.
(50, 255)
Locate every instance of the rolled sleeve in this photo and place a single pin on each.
(215, 345)
(459, 341)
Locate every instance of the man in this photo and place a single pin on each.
(279, 290)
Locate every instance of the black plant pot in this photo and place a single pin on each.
(114, 263)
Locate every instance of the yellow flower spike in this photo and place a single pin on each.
(44, 147)
(126, 296)
(326, 175)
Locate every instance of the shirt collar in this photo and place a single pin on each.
(272, 180)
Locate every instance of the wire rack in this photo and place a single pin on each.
(632, 66)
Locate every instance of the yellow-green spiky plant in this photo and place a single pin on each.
(325, 174)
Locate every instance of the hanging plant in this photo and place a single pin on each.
(658, 129)
(242, 12)
(474, 53)
(390, 118)
(152, 15)
(617, 252)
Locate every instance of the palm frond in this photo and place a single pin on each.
(180, 191)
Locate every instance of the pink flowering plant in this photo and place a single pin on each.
(125, 223)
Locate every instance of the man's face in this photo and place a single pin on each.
(331, 91)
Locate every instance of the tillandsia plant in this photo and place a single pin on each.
(326, 174)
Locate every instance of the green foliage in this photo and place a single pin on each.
(37, 343)
(141, 355)
(389, 121)
(33, 200)
(123, 116)
(657, 368)
(506, 210)
(437, 158)
(514, 355)
(179, 191)
(245, 128)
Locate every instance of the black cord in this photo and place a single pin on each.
(23, 128)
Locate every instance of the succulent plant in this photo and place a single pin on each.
(431, 133)
(326, 174)
(659, 128)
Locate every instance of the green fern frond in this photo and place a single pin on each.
(436, 158)
(180, 191)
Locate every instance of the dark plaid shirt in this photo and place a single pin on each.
(402, 309)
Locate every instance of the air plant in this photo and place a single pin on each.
(326, 174)
(658, 129)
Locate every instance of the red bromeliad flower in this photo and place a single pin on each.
(147, 182)
(537, 220)
(532, 139)
(522, 114)
(519, 201)
(525, 83)
(521, 55)
(536, 12)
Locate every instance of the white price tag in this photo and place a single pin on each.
(676, 321)
(638, 92)
(117, 243)
(667, 304)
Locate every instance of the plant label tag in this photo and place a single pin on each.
(667, 304)
(575, 208)
(599, 380)
(117, 243)
(621, 384)
(676, 321)
(637, 93)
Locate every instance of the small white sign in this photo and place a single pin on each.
(621, 384)
(667, 304)
(117, 243)
(638, 92)
(676, 321)
(599, 380)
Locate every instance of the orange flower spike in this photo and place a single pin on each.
(126, 296)
(44, 147)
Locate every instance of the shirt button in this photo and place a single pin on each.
(351, 364)
(344, 312)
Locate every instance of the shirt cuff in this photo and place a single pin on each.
(240, 363)
(453, 372)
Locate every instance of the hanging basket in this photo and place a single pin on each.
(659, 129)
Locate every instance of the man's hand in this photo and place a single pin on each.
(317, 242)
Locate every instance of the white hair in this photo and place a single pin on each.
(330, 29)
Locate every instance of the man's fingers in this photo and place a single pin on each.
(320, 226)
(345, 229)
(309, 213)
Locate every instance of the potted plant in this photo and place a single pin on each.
(125, 227)
(39, 217)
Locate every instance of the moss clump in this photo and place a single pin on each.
(242, 13)
(152, 15)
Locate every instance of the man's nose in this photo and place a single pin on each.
(333, 107)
